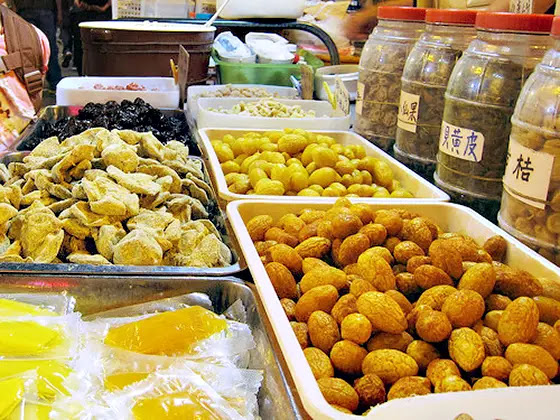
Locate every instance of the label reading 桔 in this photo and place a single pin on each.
(408, 111)
(461, 143)
(527, 175)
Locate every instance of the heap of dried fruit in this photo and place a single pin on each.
(386, 305)
(298, 162)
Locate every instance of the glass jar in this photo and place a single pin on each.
(531, 200)
(424, 81)
(381, 66)
(479, 103)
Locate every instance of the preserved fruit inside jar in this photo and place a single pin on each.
(531, 200)
(479, 103)
(424, 81)
(381, 67)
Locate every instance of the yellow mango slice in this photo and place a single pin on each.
(51, 374)
(27, 338)
(170, 333)
(179, 406)
(10, 308)
(11, 393)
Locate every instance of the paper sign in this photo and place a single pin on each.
(184, 63)
(408, 111)
(360, 97)
(461, 143)
(341, 96)
(521, 6)
(527, 175)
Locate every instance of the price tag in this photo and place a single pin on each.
(461, 143)
(521, 6)
(527, 175)
(360, 97)
(341, 96)
(408, 111)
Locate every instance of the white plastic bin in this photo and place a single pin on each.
(194, 92)
(78, 91)
(515, 403)
(122, 9)
(419, 187)
(266, 9)
(323, 119)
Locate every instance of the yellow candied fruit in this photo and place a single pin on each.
(282, 174)
(230, 167)
(294, 161)
(324, 177)
(13, 308)
(273, 157)
(268, 147)
(177, 406)
(12, 391)
(316, 188)
(312, 167)
(269, 187)
(325, 139)
(331, 192)
(241, 185)
(247, 162)
(170, 333)
(339, 187)
(324, 157)
(366, 178)
(307, 155)
(255, 175)
(239, 159)
(223, 151)
(381, 192)
(349, 153)
(274, 136)
(299, 180)
(119, 381)
(308, 192)
(27, 338)
(292, 143)
(337, 148)
(344, 167)
(401, 193)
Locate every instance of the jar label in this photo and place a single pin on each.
(527, 175)
(360, 98)
(408, 111)
(461, 143)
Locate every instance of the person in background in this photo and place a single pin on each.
(539, 6)
(86, 11)
(358, 25)
(66, 33)
(24, 55)
(44, 14)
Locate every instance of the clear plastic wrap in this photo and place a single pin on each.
(19, 398)
(38, 304)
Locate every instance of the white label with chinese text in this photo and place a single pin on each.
(527, 175)
(408, 111)
(360, 98)
(341, 96)
(521, 6)
(461, 143)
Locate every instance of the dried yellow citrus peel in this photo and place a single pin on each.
(177, 406)
(27, 338)
(12, 308)
(170, 333)
(11, 392)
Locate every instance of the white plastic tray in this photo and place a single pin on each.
(513, 403)
(418, 186)
(193, 93)
(323, 119)
(78, 91)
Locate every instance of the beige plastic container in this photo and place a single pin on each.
(419, 187)
(506, 403)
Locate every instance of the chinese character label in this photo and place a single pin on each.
(360, 98)
(462, 143)
(408, 111)
(527, 175)
(521, 6)
(341, 96)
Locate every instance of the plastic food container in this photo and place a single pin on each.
(511, 403)
(241, 9)
(479, 103)
(530, 203)
(194, 93)
(107, 293)
(381, 66)
(160, 92)
(348, 74)
(323, 116)
(420, 188)
(424, 81)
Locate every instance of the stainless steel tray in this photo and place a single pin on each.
(54, 113)
(220, 219)
(100, 293)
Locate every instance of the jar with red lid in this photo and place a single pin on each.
(530, 208)
(424, 81)
(381, 66)
(479, 104)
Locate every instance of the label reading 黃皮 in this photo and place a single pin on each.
(527, 175)
(360, 98)
(408, 111)
(461, 143)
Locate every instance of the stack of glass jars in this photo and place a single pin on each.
(424, 81)
(381, 66)
(479, 104)
(531, 200)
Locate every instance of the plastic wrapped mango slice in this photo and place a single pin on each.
(13, 308)
(51, 374)
(27, 338)
(12, 391)
(31, 411)
(119, 381)
(170, 333)
(176, 406)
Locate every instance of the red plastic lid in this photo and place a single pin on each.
(401, 13)
(514, 22)
(556, 26)
(457, 16)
